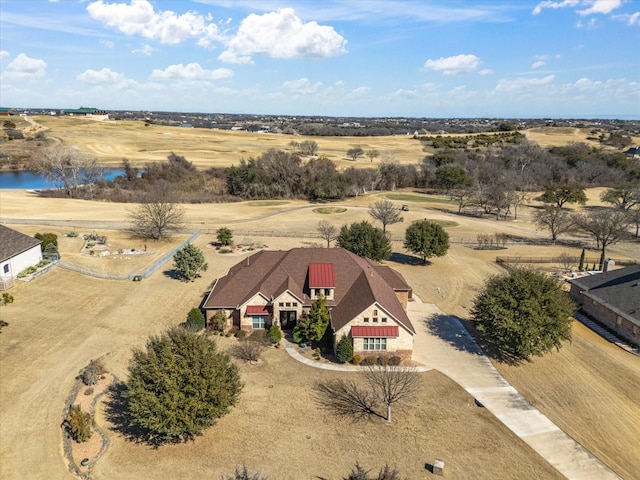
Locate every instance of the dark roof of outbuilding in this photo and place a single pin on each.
(359, 282)
(619, 289)
(13, 243)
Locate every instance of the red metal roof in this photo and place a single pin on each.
(257, 310)
(321, 275)
(359, 331)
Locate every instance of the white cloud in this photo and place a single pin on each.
(456, 65)
(106, 76)
(140, 18)
(107, 43)
(4, 54)
(302, 86)
(145, 49)
(24, 66)
(190, 72)
(630, 19)
(282, 34)
(517, 84)
(538, 64)
(360, 91)
(601, 6)
(552, 4)
(591, 6)
(486, 71)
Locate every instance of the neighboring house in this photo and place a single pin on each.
(633, 153)
(86, 112)
(367, 301)
(613, 299)
(17, 252)
(5, 112)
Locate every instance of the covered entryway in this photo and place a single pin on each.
(288, 319)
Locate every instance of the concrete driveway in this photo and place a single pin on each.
(443, 343)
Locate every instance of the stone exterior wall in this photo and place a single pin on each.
(403, 297)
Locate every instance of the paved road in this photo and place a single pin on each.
(446, 346)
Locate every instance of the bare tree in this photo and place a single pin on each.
(555, 219)
(607, 226)
(327, 231)
(68, 168)
(393, 384)
(386, 385)
(157, 215)
(386, 213)
(354, 153)
(373, 153)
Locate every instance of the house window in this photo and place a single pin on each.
(634, 329)
(295, 304)
(327, 292)
(5, 268)
(618, 320)
(281, 304)
(384, 319)
(375, 313)
(375, 319)
(288, 304)
(375, 343)
(366, 319)
(258, 321)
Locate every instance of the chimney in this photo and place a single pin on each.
(608, 265)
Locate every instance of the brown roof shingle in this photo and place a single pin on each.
(359, 281)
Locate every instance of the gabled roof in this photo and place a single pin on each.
(13, 243)
(619, 290)
(321, 275)
(359, 282)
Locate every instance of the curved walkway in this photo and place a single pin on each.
(447, 346)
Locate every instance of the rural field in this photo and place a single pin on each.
(64, 319)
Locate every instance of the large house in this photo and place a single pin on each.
(17, 252)
(367, 301)
(613, 299)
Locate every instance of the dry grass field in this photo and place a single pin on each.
(111, 141)
(62, 320)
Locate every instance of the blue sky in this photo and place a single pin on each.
(400, 58)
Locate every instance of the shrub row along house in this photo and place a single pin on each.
(367, 301)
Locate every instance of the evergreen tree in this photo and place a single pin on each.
(524, 313)
(344, 350)
(582, 257)
(224, 236)
(365, 240)
(195, 319)
(428, 239)
(179, 385)
(189, 262)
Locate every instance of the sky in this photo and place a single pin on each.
(361, 58)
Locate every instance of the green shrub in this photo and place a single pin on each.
(79, 424)
(224, 236)
(72, 234)
(7, 298)
(344, 350)
(395, 360)
(46, 239)
(43, 263)
(219, 321)
(224, 250)
(275, 333)
(369, 361)
(241, 334)
(195, 319)
(317, 354)
(356, 360)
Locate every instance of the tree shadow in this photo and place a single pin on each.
(173, 274)
(405, 259)
(489, 348)
(117, 413)
(451, 330)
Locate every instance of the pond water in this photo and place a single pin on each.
(27, 180)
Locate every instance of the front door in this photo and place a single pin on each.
(288, 319)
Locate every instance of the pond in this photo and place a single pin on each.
(28, 180)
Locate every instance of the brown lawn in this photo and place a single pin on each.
(62, 320)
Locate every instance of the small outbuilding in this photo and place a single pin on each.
(17, 252)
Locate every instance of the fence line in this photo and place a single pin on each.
(561, 259)
(131, 274)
